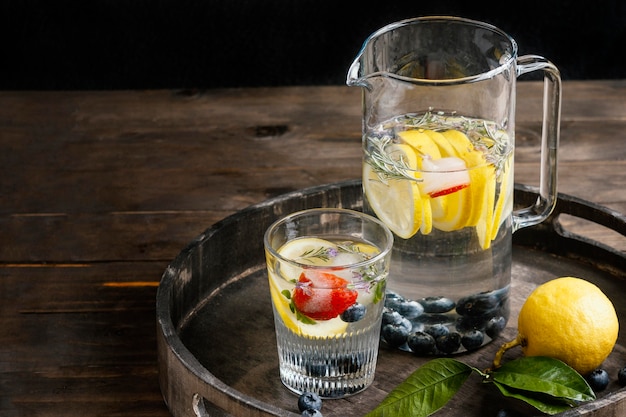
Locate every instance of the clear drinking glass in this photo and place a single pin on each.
(438, 141)
(327, 271)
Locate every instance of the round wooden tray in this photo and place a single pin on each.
(215, 331)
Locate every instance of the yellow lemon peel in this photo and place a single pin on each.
(569, 319)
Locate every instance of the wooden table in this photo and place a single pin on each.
(101, 190)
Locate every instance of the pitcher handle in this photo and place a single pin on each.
(550, 132)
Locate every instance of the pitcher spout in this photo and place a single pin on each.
(355, 77)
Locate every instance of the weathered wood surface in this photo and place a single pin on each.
(101, 190)
(207, 319)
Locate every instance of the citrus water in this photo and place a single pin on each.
(327, 312)
(443, 183)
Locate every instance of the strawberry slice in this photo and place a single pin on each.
(444, 176)
(322, 296)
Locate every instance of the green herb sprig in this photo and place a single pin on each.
(484, 135)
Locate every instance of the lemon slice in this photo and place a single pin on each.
(300, 250)
(505, 198)
(445, 147)
(396, 202)
(303, 251)
(482, 177)
(427, 215)
(485, 224)
(366, 248)
(452, 213)
(422, 143)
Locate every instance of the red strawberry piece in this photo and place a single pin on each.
(444, 176)
(447, 191)
(322, 296)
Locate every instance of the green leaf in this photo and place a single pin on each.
(425, 391)
(544, 375)
(543, 403)
(379, 291)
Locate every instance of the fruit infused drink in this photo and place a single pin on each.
(443, 183)
(327, 271)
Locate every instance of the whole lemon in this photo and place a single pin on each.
(569, 319)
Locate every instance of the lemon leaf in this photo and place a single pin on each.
(543, 382)
(425, 391)
(543, 403)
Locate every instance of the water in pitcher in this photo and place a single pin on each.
(443, 183)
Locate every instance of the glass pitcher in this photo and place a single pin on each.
(438, 141)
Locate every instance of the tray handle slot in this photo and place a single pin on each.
(203, 408)
(554, 235)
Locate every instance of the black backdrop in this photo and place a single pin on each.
(120, 44)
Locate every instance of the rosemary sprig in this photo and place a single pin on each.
(387, 167)
(484, 135)
(322, 253)
(365, 278)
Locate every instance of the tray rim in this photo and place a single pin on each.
(174, 357)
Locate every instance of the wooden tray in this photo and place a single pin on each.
(215, 331)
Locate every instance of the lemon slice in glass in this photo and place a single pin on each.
(482, 178)
(395, 201)
(451, 213)
(422, 143)
(505, 198)
(445, 147)
(485, 224)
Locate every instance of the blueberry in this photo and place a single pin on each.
(429, 319)
(312, 413)
(390, 295)
(309, 401)
(391, 317)
(316, 368)
(410, 309)
(437, 330)
(393, 300)
(395, 319)
(598, 379)
(416, 326)
(482, 303)
(495, 326)
(621, 377)
(476, 305)
(353, 313)
(472, 339)
(449, 343)
(465, 323)
(395, 335)
(406, 324)
(508, 413)
(437, 304)
(351, 364)
(421, 343)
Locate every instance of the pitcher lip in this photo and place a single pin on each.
(353, 79)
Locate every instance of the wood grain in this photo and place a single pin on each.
(102, 187)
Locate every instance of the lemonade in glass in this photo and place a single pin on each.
(327, 271)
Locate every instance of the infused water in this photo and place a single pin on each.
(443, 183)
(328, 292)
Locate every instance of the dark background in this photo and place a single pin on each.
(137, 44)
